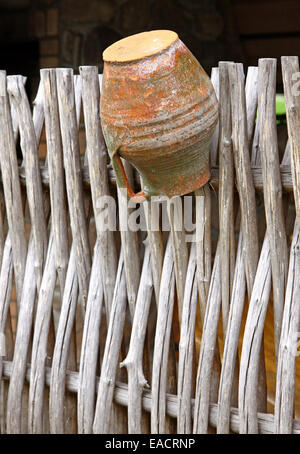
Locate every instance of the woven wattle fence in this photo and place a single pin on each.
(199, 320)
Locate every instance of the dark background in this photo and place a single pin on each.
(37, 34)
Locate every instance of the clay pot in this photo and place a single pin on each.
(158, 111)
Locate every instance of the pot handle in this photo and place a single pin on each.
(122, 180)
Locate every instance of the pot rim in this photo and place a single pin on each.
(147, 54)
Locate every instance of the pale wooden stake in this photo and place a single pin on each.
(272, 188)
(12, 190)
(97, 161)
(130, 244)
(254, 330)
(180, 251)
(29, 147)
(110, 360)
(162, 342)
(134, 359)
(69, 131)
(186, 347)
(16, 414)
(290, 72)
(90, 346)
(226, 196)
(285, 379)
(289, 344)
(61, 350)
(228, 385)
(206, 357)
(243, 171)
(39, 345)
(251, 94)
(214, 77)
(58, 197)
(252, 342)
(14, 399)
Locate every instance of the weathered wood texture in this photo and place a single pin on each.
(229, 380)
(71, 155)
(184, 312)
(226, 195)
(11, 188)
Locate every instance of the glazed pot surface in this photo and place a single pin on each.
(158, 111)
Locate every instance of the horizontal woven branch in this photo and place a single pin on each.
(265, 420)
(285, 174)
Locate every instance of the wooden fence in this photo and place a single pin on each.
(205, 327)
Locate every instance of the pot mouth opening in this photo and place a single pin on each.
(139, 46)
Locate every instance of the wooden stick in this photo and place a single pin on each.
(228, 385)
(5, 294)
(134, 359)
(203, 244)
(38, 112)
(285, 173)
(285, 383)
(16, 418)
(290, 71)
(208, 342)
(61, 239)
(180, 250)
(256, 314)
(203, 251)
(246, 194)
(14, 115)
(251, 99)
(286, 364)
(69, 131)
(166, 424)
(40, 339)
(243, 171)
(61, 350)
(56, 174)
(96, 155)
(130, 245)
(249, 369)
(14, 406)
(90, 346)
(119, 414)
(162, 342)
(265, 420)
(215, 138)
(97, 160)
(257, 311)
(186, 347)
(257, 159)
(110, 360)
(272, 188)
(151, 210)
(226, 196)
(29, 147)
(6, 274)
(78, 98)
(12, 190)
(2, 231)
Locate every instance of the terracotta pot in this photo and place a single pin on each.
(158, 111)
